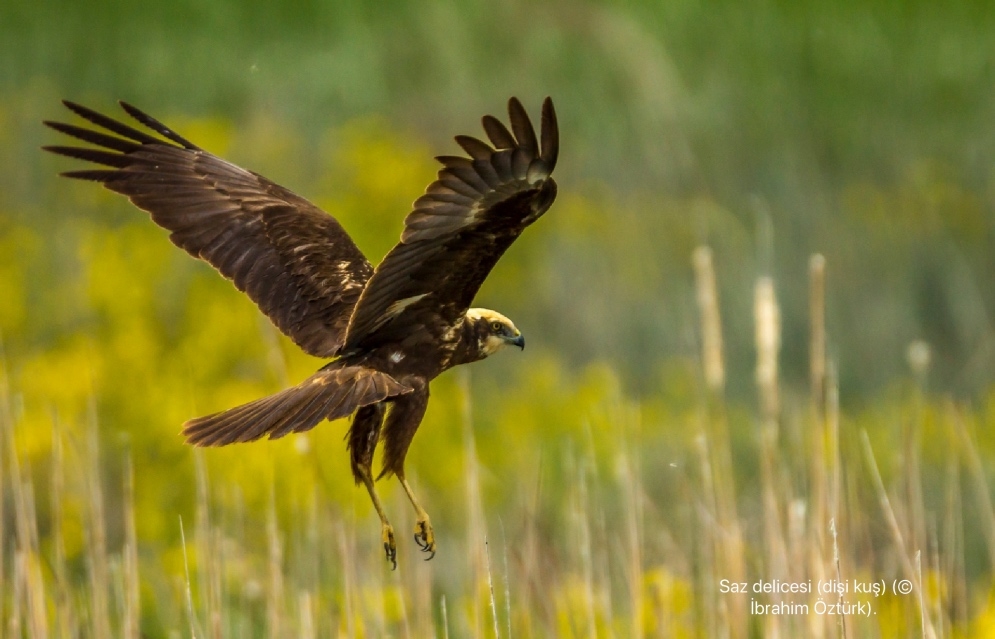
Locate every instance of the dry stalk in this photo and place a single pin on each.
(896, 532)
(767, 317)
(274, 594)
(711, 324)
(132, 601)
(716, 458)
(476, 523)
(817, 331)
(188, 590)
(983, 497)
(97, 538)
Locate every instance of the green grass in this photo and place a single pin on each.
(608, 528)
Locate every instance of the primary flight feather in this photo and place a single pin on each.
(391, 329)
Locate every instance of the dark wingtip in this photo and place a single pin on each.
(521, 125)
(476, 149)
(132, 110)
(110, 124)
(157, 126)
(497, 132)
(550, 148)
(104, 176)
(75, 107)
(82, 111)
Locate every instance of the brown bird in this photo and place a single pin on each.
(389, 330)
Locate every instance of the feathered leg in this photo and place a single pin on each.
(403, 420)
(363, 437)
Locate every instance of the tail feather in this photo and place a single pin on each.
(310, 411)
(330, 393)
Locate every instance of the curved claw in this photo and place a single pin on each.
(424, 546)
(389, 547)
(425, 538)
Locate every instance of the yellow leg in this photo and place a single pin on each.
(386, 530)
(424, 536)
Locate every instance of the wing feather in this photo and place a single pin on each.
(467, 173)
(522, 125)
(488, 173)
(110, 124)
(94, 137)
(158, 126)
(502, 165)
(520, 161)
(442, 196)
(550, 135)
(458, 230)
(475, 148)
(498, 133)
(450, 182)
(249, 228)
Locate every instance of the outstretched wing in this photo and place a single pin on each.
(465, 221)
(293, 260)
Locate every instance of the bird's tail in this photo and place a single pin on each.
(331, 393)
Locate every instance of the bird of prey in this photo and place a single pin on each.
(389, 330)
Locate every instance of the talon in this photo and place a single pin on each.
(424, 537)
(390, 549)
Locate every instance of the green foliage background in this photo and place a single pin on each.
(864, 131)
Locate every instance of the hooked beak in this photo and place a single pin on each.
(518, 341)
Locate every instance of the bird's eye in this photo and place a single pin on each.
(496, 327)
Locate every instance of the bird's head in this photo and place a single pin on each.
(494, 331)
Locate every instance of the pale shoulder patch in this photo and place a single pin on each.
(400, 305)
(452, 332)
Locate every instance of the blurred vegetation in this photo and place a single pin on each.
(768, 131)
(859, 130)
